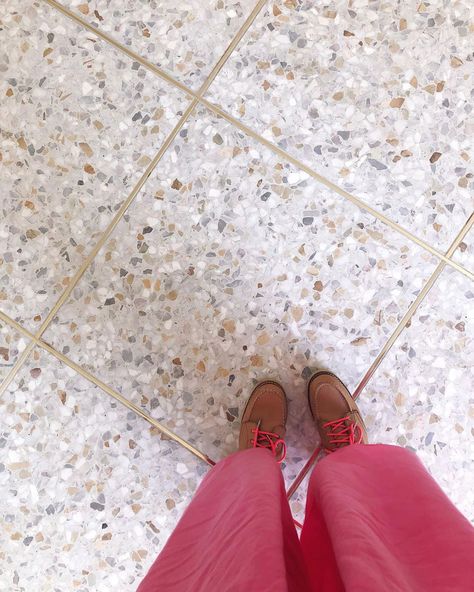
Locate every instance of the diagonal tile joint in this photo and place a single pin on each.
(198, 98)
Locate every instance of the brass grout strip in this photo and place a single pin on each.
(126, 402)
(116, 219)
(413, 308)
(16, 368)
(217, 110)
(16, 326)
(302, 474)
(24, 354)
(230, 48)
(36, 341)
(270, 145)
(151, 167)
(136, 57)
(36, 338)
(389, 343)
(77, 277)
(342, 192)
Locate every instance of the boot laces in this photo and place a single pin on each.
(271, 441)
(343, 432)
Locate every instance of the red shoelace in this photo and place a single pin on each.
(342, 432)
(271, 441)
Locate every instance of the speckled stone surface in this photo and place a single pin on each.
(422, 396)
(376, 96)
(186, 39)
(231, 267)
(89, 492)
(464, 254)
(11, 346)
(79, 123)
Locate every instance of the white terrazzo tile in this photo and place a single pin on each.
(12, 344)
(186, 39)
(231, 267)
(88, 492)
(421, 397)
(376, 96)
(79, 123)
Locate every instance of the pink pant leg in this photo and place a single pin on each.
(376, 521)
(237, 534)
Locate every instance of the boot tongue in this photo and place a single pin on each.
(248, 427)
(279, 430)
(247, 434)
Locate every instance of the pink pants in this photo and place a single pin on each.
(375, 521)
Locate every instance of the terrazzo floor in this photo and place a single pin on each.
(196, 196)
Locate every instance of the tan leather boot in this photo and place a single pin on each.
(264, 420)
(335, 412)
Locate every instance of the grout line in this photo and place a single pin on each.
(36, 338)
(126, 402)
(270, 145)
(76, 278)
(94, 380)
(116, 219)
(413, 308)
(17, 366)
(342, 192)
(232, 45)
(388, 344)
(302, 474)
(136, 57)
(399, 329)
(445, 260)
(151, 167)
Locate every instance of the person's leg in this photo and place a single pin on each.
(380, 522)
(375, 519)
(238, 534)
